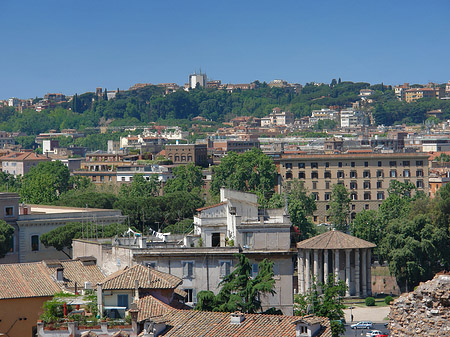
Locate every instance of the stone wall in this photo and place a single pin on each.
(423, 312)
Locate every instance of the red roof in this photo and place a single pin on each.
(212, 206)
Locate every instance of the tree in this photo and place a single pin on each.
(329, 304)
(300, 207)
(366, 226)
(251, 171)
(61, 237)
(239, 290)
(187, 178)
(140, 187)
(339, 207)
(6, 235)
(45, 182)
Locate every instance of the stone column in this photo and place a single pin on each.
(336, 264)
(316, 269)
(316, 265)
(369, 272)
(301, 271)
(347, 271)
(325, 266)
(364, 271)
(307, 271)
(357, 275)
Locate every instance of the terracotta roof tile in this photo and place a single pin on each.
(212, 206)
(24, 156)
(76, 272)
(26, 280)
(334, 240)
(125, 279)
(150, 307)
(188, 323)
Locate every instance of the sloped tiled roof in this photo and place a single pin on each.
(150, 306)
(24, 156)
(212, 206)
(21, 280)
(334, 240)
(125, 279)
(76, 271)
(189, 323)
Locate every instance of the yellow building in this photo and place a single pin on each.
(414, 94)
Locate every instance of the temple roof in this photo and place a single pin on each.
(334, 240)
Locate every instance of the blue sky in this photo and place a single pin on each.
(74, 46)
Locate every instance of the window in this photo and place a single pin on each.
(314, 185)
(380, 195)
(366, 185)
(354, 196)
(327, 196)
(151, 264)
(189, 295)
(288, 165)
(406, 163)
(340, 174)
(248, 239)
(254, 270)
(353, 185)
(393, 173)
(188, 269)
(406, 173)
(314, 165)
(316, 196)
(353, 207)
(340, 164)
(366, 164)
(380, 164)
(327, 185)
(35, 243)
(301, 175)
(225, 268)
(327, 207)
(353, 164)
(215, 240)
(122, 301)
(419, 163)
(379, 184)
(315, 218)
(353, 174)
(12, 244)
(392, 163)
(366, 174)
(9, 211)
(301, 165)
(314, 175)
(419, 173)
(380, 174)
(353, 215)
(419, 184)
(366, 195)
(327, 164)
(327, 175)
(288, 175)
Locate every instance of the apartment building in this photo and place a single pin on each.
(278, 118)
(203, 258)
(365, 175)
(187, 153)
(414, 94)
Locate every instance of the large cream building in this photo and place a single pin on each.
(365, 175)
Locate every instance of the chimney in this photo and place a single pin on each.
(237, 317)
(136, 290)
(100, 299)
(60, 274)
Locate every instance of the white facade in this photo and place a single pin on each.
(197, 78)
(350, 118)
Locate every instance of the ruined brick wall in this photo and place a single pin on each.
(423, 312)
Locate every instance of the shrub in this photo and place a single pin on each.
(388, 300)
(370, 301)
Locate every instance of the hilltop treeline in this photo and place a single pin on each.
(150, 104)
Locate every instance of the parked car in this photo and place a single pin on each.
(362, 325)
(373, 333)
(381, 335)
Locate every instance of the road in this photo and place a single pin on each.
(362, 332)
